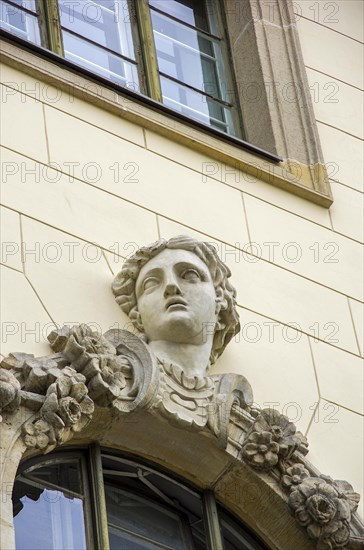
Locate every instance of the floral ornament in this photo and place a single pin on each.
(302, 443)
(260, 451)
(75, 341)
(95, 357)
(9, 392)
(40, 373)
(67, 407)
(106, 375)
(294, 476)
(324, 507)
(283, 431)
(15, 363)
(39, 435)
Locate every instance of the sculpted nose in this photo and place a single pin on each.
(172, 289)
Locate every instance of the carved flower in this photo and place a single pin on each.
(294, 476)
(78, 340)
(67, 407)
(324, 507)
(107, 377)
(260, 451)
(9, 392)
(37, 435)
(283, 431)
(40, 373)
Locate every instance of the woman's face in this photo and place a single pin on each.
(176, 298)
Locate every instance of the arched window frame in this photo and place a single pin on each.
(90, 461)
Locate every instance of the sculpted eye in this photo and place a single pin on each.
(150, 283)
(191, 275)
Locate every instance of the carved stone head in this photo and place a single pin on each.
(176, 290)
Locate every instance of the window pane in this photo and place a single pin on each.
(100, 61)
(196, 105)
(185, 54)
(28, 4)
(161, 489)
(105, 22)
(189, 62)
(64, 475)
(192, 12)
(143, 521)
(46, 517)
(19, 22)
(237, 538)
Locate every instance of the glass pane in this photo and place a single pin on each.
(153, 485)
(28, 4)
(186, 55)
(18, 22)
(47, 518)
(192, 12)
(196, 105)
(236, 538)
(100, 61)
(119, 540)
(106, 22)
(53, 521)
(143, 521)
(63, 475)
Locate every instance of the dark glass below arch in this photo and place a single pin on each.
(146, 509)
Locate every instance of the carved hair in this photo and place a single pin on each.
(228, 319)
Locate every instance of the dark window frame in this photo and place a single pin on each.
(93, 484)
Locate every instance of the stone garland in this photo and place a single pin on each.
(86, 370)
(321, 505)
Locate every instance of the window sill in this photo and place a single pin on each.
(289, 175)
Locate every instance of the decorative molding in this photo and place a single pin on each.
(274, 91)
(118, 372)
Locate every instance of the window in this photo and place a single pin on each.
(173, 51)
(21, 19)
(92, 499)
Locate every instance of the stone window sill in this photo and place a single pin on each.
(292, 176)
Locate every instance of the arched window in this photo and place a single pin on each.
(94, 498)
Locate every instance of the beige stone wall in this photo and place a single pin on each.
(83, 188)
(331, 35)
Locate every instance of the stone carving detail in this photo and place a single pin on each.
(178, 296)
(95, 357)
(294, 476)
(52, 388)
(324, 507)
(9, 392)
(271, 439)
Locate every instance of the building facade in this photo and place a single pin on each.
(91, 173)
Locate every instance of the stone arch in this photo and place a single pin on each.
(205, 431)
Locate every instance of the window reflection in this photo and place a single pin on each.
(21, 22)
(97, 35)
(191, 63)
(192, 12)
(56, 508)
(175, 51)
(146, 523)
(48, 508)
(149, 508)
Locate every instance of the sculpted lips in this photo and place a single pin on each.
(175, 301)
